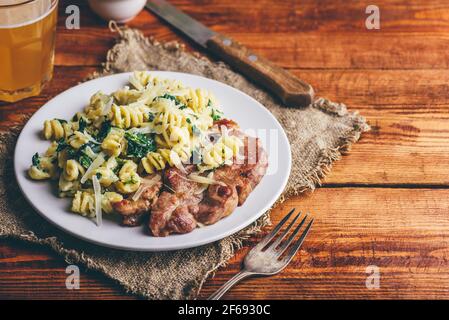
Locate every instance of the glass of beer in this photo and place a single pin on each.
(27, 45)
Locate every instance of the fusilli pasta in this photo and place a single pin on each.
(56, 129)
(114, 142)
(150, 125)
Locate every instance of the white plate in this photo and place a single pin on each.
(236, 105)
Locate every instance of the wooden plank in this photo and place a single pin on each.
(378, 88)
(34, 272)
(307, 15)
(307, 50)
(291, 16)
(381, 87)
(362, 49)
(304, 34)
(405, 232)
(408, 144)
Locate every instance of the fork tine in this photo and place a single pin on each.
(298, 243)
(292, 237)
(276, 229)
(285, 232)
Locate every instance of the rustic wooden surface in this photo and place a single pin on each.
(386, 204)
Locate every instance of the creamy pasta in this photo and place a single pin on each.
(118, 138)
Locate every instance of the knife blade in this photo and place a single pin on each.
(291, 90)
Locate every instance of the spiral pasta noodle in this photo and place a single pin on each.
(198, 99)
(106, 176)
(78, 139)
(220, 153)
(56, 129)
(43, 168)
(129, 180)
(37, 173)
(113, 144)
(97, 107)
(126, 96)
(72, 170)
(156, 161)
(215, 156)
(83, 203)
(67, 188)
(127, 116)
(140, 79)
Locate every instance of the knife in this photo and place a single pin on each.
(291, 90)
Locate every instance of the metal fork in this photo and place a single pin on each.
(265, 258)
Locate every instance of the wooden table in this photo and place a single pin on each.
(386, 204)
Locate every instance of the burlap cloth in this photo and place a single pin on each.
(318, 134)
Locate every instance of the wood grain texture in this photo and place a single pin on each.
(384, 204)
(291, 34)
(404, 232)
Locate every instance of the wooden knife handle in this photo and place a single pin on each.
(291, 90)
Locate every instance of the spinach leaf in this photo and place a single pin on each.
(139, 144)
(72, 152)
(84, 160)
(82, 124)
(62, 144)
(35, 160)
(80, 155)
(216, 114)
(168, 96)
(94, 146)
(104, 130)
(120, 163)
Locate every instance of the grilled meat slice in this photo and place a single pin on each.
(133, 212)
(133, 220)
(230, 124)
(245, 173)
(181, 206)
(219, 201)
(177, 180)
(182, 221)
(174, 210)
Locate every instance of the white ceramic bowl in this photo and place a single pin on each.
(118, 10)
